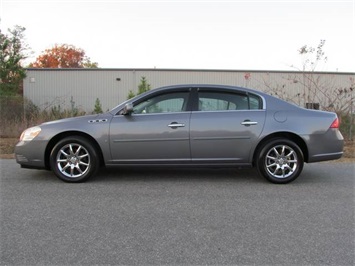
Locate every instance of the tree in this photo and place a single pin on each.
(13, 50)
(142, 87)
(317, 92)
(309, 63)
(131, 95)
(313, 91)
(98, 107)
(312, 88)
(63, 56)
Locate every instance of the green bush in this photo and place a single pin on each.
(347, 125)
(98, 107)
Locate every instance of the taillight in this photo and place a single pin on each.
(335, 123)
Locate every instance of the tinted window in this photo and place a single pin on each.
(255, 102)
(223, 101)
(164, 103)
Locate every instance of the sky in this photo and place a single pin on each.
(196, 34)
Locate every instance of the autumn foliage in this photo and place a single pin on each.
(63, 56)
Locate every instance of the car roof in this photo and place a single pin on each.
(206, 86)
(212, 86)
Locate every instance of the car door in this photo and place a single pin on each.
(225, 126)
(157, 131)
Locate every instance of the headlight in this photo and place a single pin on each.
(30, 133)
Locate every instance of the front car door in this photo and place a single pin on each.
(225, 126)
(157, 131)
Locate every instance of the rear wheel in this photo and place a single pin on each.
(74, 159)
(280, 161)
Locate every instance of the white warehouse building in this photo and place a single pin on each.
(48, 88)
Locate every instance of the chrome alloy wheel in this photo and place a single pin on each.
(281, 161)
(73, 160)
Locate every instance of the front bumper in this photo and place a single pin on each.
(31, 154)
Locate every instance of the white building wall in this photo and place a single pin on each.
(47, 88)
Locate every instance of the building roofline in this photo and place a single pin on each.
(190, 70)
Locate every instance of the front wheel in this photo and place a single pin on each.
(74, 159)
(280, 161)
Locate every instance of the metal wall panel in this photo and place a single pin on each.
(63, 87)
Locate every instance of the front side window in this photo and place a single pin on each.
(164, 103)
(224, 101)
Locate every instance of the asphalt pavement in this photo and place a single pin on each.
(178, 217)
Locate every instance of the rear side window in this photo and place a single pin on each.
(224, 101)
(255, 102)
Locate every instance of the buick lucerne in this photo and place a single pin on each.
(187, 125)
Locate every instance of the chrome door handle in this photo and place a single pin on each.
(249, 123)
(176, 125)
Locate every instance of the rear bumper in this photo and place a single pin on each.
(325, 157)
(325, 147)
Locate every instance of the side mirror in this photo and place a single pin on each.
(128, 109)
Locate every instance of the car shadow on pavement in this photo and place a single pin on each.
(179, 174)
(312, 174)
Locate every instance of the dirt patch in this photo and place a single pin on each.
(7, 146)
(349, 152)
(349, 149)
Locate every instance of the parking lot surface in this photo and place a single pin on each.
(178, 216)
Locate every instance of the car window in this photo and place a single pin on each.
(163, 103)
(223, 101)
(255, 102)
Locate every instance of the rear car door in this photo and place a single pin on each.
(225, 126)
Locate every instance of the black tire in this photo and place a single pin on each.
(280, 161)
(74, 159)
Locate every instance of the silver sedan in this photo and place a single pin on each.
(187, 125)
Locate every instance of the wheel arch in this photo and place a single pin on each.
(288, 135)
(63, 135)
